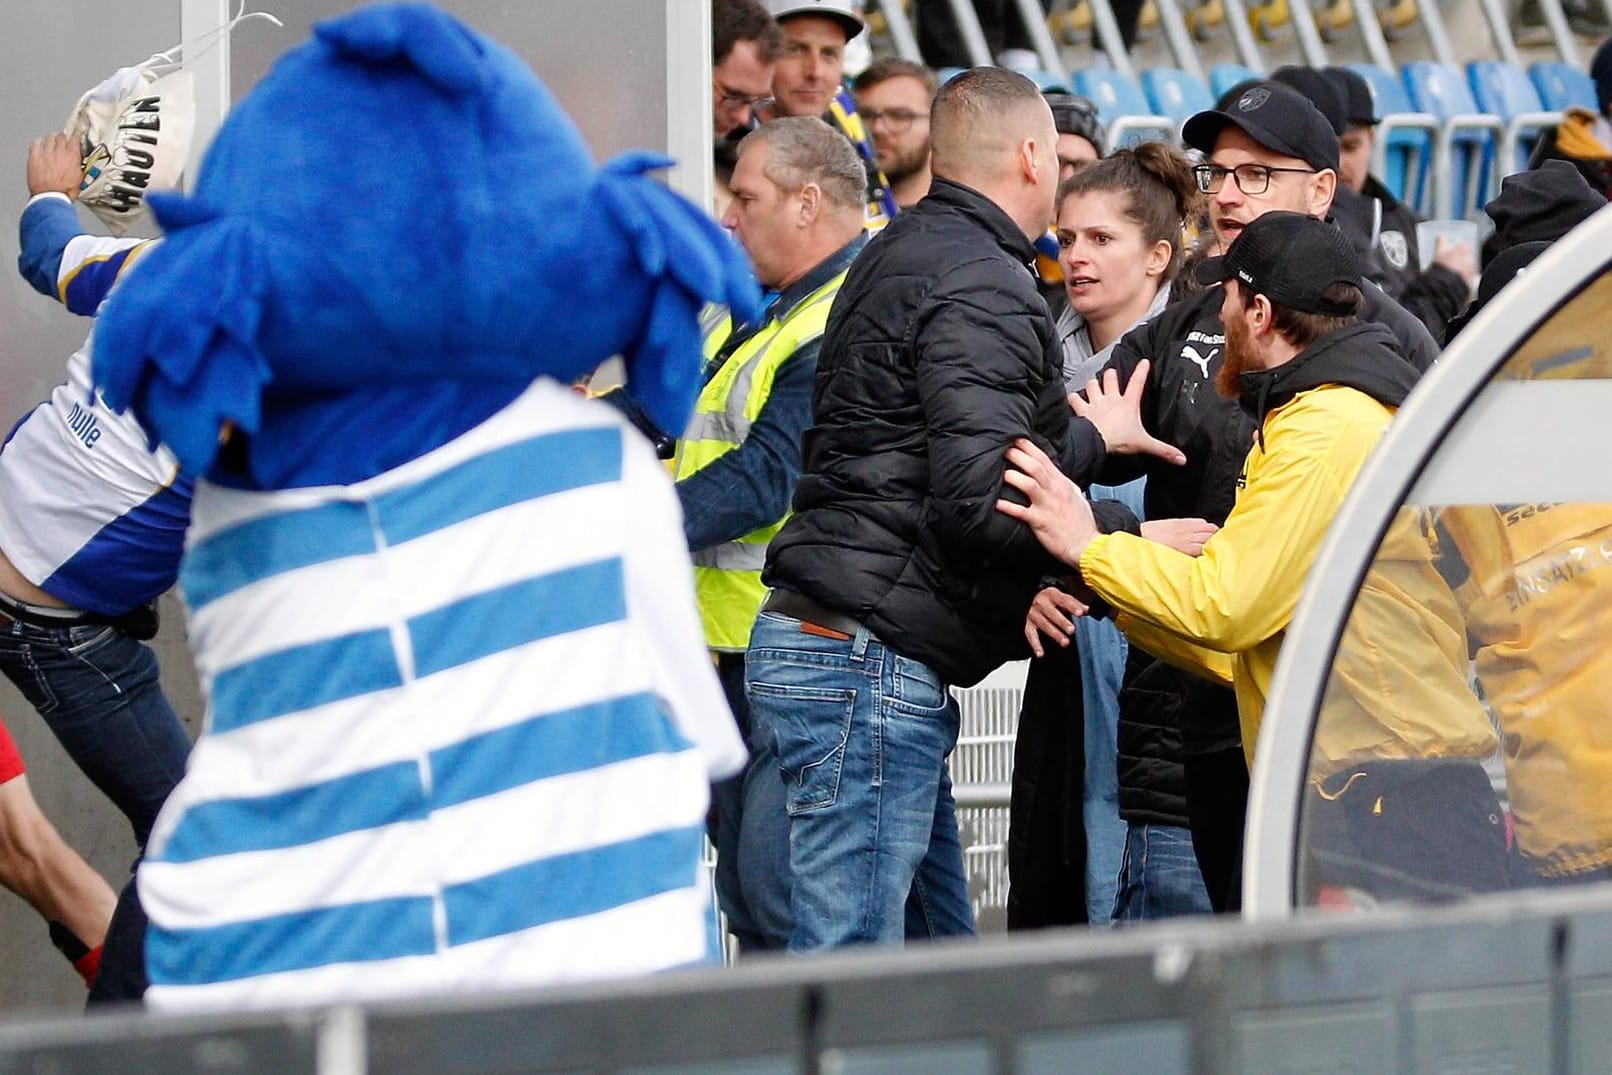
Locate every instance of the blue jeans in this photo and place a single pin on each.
(750, 828)
(1101, 649)
(859, 735)
(1159, 877)
(98, 692)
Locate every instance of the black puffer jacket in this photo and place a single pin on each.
(1165, 713)
(939, 352)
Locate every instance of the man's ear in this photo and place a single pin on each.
(1262, 318)
(1323, 187)
(1027, 160)
(811, 203)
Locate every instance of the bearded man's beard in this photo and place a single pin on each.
(1235, 361)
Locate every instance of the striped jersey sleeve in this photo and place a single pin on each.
(59, 259)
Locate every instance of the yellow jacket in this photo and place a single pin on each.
(1224, 614)
(1536, 601)
(1399, 689)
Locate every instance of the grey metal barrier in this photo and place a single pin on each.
(1521, 984)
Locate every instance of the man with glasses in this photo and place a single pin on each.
(744, 47)
(1268, 150)
(893, 99)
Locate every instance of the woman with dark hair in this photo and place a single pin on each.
(1079, 850)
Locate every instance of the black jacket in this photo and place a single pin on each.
(1383, 229)
(939, 352)
(1183, 407)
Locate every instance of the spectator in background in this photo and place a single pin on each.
(1080, 132)
(37, 865)
(1268, 149)
(893, 98)
(744, 47)
(807, 82)
(1543, 203)
(1382, 228)
(895, 578)
(1532, 211)
(797, 211)
(1080, 140)
(1584, 138)
(1119, 225)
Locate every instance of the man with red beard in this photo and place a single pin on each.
(1269, 150)
(1318, 388)
(1321, 388)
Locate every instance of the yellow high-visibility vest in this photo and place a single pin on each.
(727, 577)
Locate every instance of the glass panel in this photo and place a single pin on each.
(1462, 745)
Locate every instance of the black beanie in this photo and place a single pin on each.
(1499, 272)
(1544, 203)
(1321, 90)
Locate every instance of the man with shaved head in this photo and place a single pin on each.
(895, 579)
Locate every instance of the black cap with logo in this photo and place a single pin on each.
(1291, 259)
(1276, 117)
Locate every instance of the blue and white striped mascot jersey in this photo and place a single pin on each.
(461, 724)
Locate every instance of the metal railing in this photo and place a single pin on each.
(1522, 984)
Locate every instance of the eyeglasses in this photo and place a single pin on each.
(896, 119)
(1250, 178)
(732, 99)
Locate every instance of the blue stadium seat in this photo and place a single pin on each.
(1046, 81)
(1505, 90)
(1561, 86)
(1404, 138)
(1175, 94)
(1223, 76)
(1464, 150)
(1127, 117)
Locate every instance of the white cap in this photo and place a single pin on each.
(841, 11)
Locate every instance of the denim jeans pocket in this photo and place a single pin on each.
(810, 726)
(81, 640)
(914, 687)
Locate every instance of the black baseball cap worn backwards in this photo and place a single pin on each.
(1291, 259)
(1275, 116)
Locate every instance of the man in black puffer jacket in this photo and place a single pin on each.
(896, 578)
(1269, 150)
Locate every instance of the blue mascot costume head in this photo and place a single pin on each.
(392, 236)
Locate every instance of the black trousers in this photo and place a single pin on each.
(1217, 809)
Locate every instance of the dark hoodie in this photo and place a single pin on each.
(1361, 356)
(1383, 229)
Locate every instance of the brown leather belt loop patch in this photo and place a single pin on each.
(823, 632)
